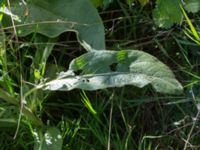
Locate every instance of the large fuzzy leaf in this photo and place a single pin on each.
(193, 6)
(167, 13)
(104, 69)
(53, 17)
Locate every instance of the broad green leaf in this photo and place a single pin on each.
(51, 139)
(104, 69)
(53, 17)
(193, 6)
(167, 13)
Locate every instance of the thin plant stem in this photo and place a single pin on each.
(194, 123)
(20, 63)
(110, 122)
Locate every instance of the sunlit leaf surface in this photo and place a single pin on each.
(104, 69)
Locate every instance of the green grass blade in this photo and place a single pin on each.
(87, 103)
(192, 28)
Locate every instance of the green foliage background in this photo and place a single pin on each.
(49, 47)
